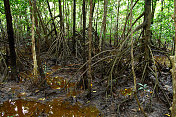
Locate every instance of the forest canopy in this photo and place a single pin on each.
(162, 26)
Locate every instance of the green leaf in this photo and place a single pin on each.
(145, 86)
(140, 84)
(140, 88)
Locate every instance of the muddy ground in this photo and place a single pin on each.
(25, 99)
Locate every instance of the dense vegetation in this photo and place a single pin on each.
(117, 47)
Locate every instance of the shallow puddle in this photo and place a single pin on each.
(55, 108)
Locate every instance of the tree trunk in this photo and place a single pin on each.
(85, 83)
(132, 63)
(52, 18)
(61, 17)
(67, 17)
(11, 41)
(147, 32)
(39, 64)
(33, 42)
(74, 24)
(173, 109)
(93, 8)
(104, 30)
(161, 16)
(110, 31)
(90, 50)
(103, 27)
(96, 27)
(125, 25)
(43, 26)
(117, 26)
(153, 9)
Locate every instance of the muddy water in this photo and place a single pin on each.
(55, 108)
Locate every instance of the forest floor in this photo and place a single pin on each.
(25, 99)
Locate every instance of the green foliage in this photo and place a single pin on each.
(162, 28)
(143, 87)
(2, 7)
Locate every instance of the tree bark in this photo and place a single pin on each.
(52, 18)
(173, 109)
(43, 26)
(147, 32)
(90, 50)
(33, 43)
(161, 16)
(96, 27)
(85, 83)
(74, 25)
(11, 39)
(103, 27)
(153, 9)
(117, 26)
(125, 25)
(127, 17)
(37, 50)
(61, 17)
(132, 62)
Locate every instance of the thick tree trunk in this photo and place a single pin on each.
(11, 41)
(61, 17)
(39, 64)
(85, 83)
(36, 51)
(147, 32)
(104, 29)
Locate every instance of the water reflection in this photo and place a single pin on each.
(55, 108)
(60, 82)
